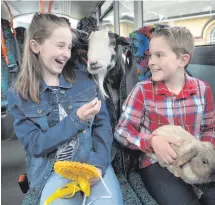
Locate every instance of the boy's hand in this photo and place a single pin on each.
(87, 111)
(162, 148)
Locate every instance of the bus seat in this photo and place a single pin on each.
(139, 40)
(9, 60)
(20, 35)
(4, 85)
(202, 65)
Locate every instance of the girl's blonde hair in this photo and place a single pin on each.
(30, 76)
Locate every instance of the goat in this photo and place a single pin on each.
(115, 75)
(195, 162)
(105, 58)
(107, 64)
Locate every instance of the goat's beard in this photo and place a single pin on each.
(99, 79)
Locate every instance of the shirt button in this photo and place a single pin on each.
(39, 111)
(62, 92)
(84, 131)
(70, 107)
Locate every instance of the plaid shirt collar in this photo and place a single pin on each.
(188, 89)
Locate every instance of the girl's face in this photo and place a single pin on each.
(55, 51)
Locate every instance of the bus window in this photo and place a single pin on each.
(105, 6)
(197, 16)
(126, 17)
(108, 22)
(212, 36)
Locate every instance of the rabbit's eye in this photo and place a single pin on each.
(205, 162)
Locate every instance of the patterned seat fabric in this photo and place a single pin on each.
(8, 71)
(140, 47)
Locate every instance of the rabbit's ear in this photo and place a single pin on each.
(185, 157)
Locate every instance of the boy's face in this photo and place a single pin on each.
(56, 51)
(163, 62)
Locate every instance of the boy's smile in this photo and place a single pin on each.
(163, 62)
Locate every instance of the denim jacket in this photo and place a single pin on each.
(40, 131)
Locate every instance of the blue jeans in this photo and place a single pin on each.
(97, 191)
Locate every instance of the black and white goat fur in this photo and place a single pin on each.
(114, 72)
(106, 62)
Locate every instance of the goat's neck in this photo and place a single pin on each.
(115, 75)
(114, 96)
(99, 78)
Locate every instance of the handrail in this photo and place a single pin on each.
(42, 6)
(50, 6)
(4, 48)
(11, 18)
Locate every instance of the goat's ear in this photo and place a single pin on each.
(116, 35)
(121, 40)
(185, 157)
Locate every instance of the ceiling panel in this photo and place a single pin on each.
(74, 9)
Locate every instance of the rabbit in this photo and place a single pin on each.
(195, 162)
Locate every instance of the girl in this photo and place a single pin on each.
(59, 115)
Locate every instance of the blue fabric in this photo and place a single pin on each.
(10, 44)
(98, 191)
(139, 40)
(4, 82)
(8, 72)
(38, 128)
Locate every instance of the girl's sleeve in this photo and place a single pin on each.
(36, 141)
(102, 139)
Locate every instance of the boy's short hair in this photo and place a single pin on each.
(180, 39)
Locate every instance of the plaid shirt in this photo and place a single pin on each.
(151, 105)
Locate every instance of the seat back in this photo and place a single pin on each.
(8, 60)
(202, 65)
(139, 40)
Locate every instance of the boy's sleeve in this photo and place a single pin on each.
(207, 129)
(127, 132)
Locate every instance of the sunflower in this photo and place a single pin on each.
(79, 173)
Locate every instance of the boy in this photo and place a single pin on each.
(170, 97)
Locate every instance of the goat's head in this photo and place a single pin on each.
(103, 53)
(202, 162)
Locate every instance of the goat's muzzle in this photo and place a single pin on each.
(94, 65)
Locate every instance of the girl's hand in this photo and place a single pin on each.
(162, 148)
(94, 181)
(88, 111)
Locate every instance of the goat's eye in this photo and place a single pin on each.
(113, 43)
